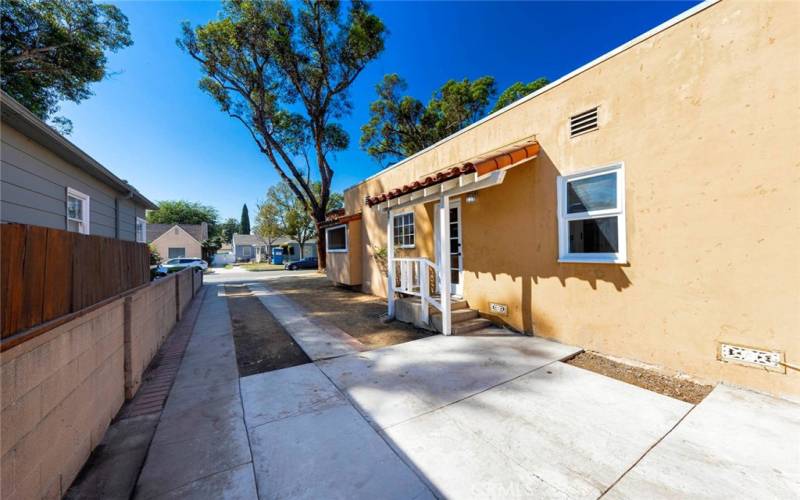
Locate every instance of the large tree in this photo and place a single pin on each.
(52, 50)
(401, 125)
(228, 228)
(295, 222)
(244, 222)
(284, 73)
(517, 91)
(185, 212)
(269, 226)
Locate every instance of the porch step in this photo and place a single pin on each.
(470, 325)
(458, 316)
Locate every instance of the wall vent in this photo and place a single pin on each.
(770, 360)
(583, 122)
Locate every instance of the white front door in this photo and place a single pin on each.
(456, 264)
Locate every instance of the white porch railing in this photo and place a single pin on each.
(411, 267)
(411, 276)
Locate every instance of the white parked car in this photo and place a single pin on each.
(185, 262)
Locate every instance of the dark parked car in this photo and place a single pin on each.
(307, 263)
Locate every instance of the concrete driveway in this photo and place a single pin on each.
(455, 417)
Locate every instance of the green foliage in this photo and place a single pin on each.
(244, 223)
(517, 91)
(155, 257)
(401, 125)
(283, 70)
(185, 212)
(228, 228)
(52, 50)
(288, 216)
(269, 225)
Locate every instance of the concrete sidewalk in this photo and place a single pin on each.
(455, 417)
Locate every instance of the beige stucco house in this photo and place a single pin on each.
(645, 206)
(178, 240)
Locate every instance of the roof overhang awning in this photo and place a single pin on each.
(476, 173)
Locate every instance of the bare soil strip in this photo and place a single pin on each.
(674, 387)
(262, 344)
(356, 313)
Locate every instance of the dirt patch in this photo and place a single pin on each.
(356, 313)
(262, 344)
(674, 387)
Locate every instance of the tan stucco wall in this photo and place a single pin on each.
(345, 267)
(705, 117)
(182, 239)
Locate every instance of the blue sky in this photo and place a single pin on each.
(150, 124)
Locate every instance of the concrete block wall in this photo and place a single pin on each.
(152, 316)
(60, 390)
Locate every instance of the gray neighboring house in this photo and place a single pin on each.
(48, 181)
(249, 247)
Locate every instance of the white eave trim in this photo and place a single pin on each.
(608, 55)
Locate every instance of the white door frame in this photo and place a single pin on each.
(456, 289)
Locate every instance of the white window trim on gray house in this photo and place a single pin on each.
(618, 211)
(141, 230)
(83, 221)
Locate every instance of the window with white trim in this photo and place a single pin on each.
(591, 216)
(77, 211)
(336, 239)
(404, 230)
(141, 230)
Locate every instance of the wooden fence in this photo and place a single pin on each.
(47, 273)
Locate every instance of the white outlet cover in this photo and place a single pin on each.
(750, 356)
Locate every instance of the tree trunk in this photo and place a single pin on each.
(321, 256)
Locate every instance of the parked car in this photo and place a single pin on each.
(185, 262)
(307, 263)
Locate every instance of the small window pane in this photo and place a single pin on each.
(74, 208)
(73, 226)
(594, 235)
(336, 238)
(174, 253)
(594, 193)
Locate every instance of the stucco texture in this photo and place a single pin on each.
(704, 117)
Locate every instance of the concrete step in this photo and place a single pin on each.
(470, 325)
(457, 316)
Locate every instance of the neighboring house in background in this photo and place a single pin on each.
(644, 206)
(291, 248)
(249, 247)
(246, 247)
(178, 240)
(48, 181)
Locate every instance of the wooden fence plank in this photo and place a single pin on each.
(58, 274)
(47, 273)
(12, 255)
(33, 269)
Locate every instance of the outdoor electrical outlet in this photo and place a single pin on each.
(499, 309)
(750, 356)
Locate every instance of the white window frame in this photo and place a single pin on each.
(413, 228)
(346, 239)
(84, 226)
(141, 235)
(246, 251)
(564, 255)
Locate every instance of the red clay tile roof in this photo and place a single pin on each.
(482, 167)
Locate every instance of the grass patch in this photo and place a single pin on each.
(228, 266)
(262, 266)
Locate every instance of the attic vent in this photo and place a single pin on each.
(583, 122)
